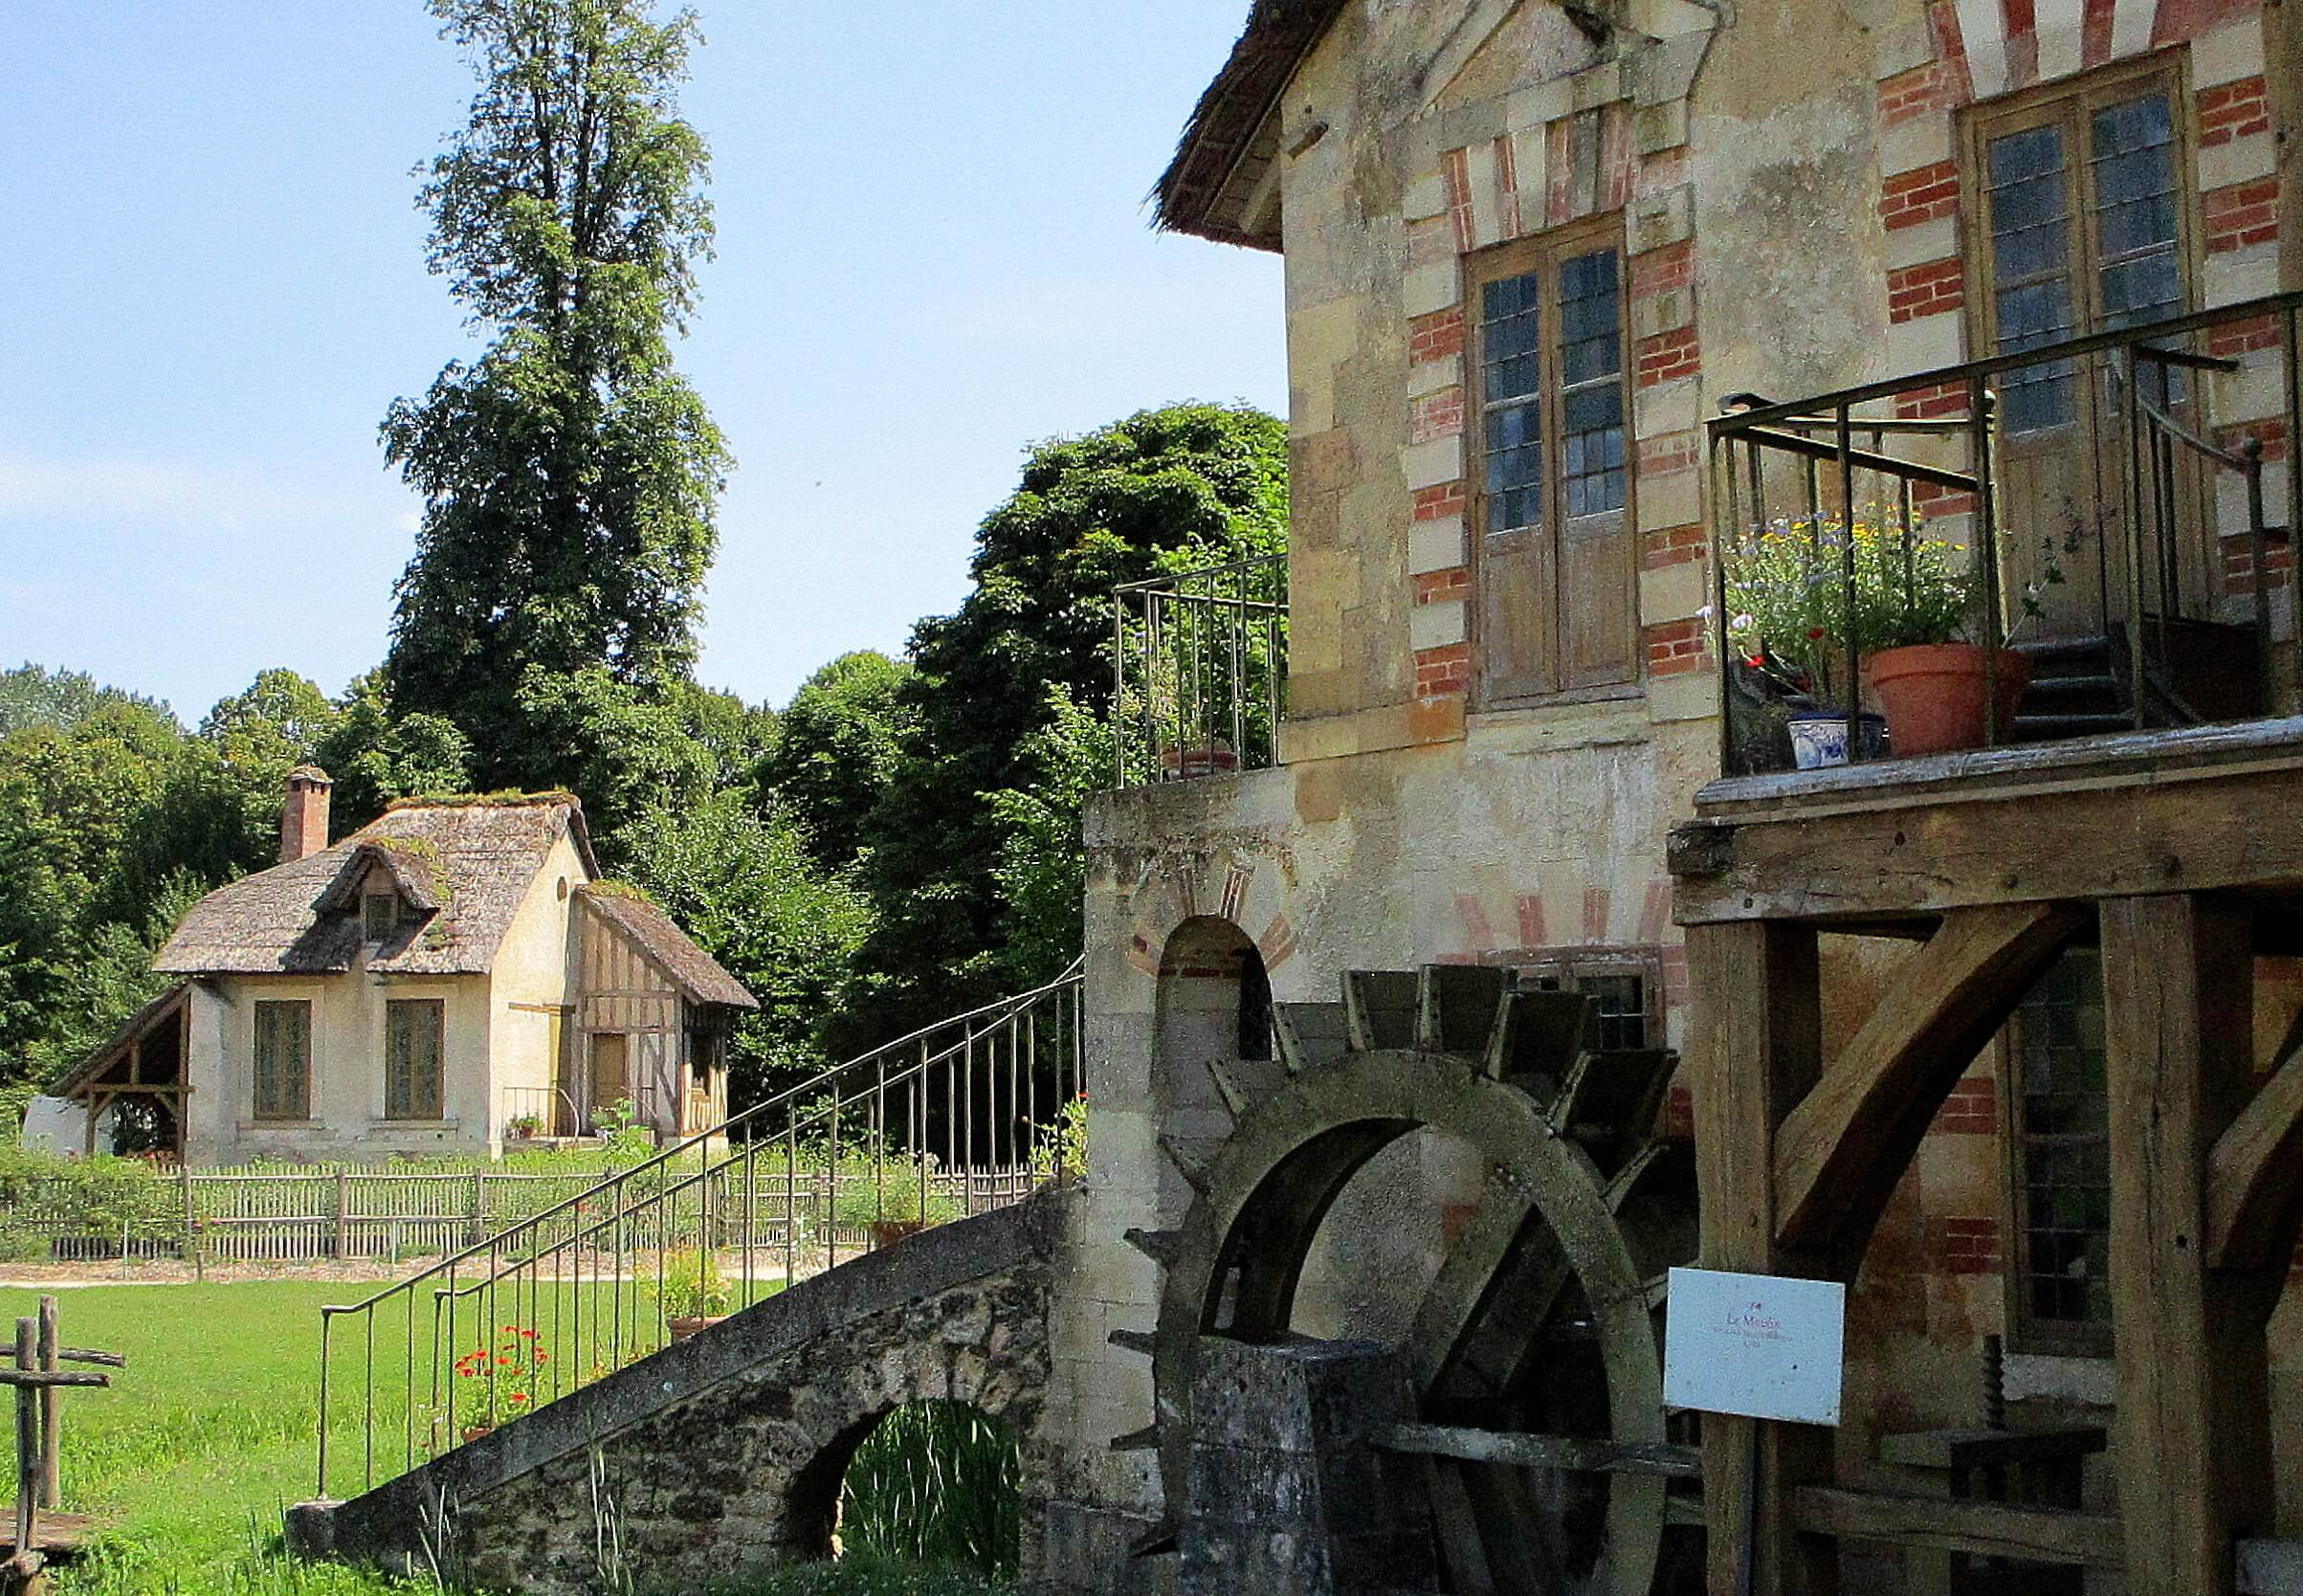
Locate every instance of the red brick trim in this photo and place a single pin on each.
(1436, 415)
(1438, 503)
(1967, 1247)
(1926, 290)
(1971, 1110)
(1443, 670)
(1922, 195)
(1667, 356)
(2232, 110)
(1439, 587)
(1671, 545)
(1676, 648)
(1438, 335)
(2241, 215)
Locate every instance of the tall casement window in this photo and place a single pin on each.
(1555, 579)
(283, 1060)
(2059, 1160)
(2082, 230)
(411, 1058)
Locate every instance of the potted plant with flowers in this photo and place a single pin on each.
(1917, 603)
(497, 1383)
(692, 1294)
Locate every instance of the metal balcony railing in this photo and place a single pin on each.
(1200, 671)
(2109, 499)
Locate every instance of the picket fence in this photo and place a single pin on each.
(289, 1217)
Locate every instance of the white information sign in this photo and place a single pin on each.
(1766, 1346)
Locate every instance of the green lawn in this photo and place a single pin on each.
(190, 1455)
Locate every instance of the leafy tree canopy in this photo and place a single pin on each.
(32, 695)
(838, 744)
(569, 474)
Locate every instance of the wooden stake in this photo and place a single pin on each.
(28, 1444)
(51, 1417)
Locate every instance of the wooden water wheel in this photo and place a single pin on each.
(1536, 1351)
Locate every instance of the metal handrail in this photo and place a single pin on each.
(963, 1054)
(1198, 666)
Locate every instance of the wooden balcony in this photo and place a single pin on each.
(2121, 503)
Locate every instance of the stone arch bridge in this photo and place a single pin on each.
(725, 1452)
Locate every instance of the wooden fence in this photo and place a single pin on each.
(288, 1217)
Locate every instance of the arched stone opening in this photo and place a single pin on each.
(936, 1482)
(1214, 1007)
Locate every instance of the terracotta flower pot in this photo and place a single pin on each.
(1932, 694)
(684, 1327)
(474, 1431)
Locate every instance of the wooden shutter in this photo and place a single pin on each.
(1518, 568)
(411, 1059)
(1555, 579)
(1598, 577)
(283, 1060)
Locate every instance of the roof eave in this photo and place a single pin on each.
(1202, 193)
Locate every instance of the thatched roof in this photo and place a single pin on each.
(654, 933)
(464, 865)
(1233, 136)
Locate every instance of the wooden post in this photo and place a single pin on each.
(51, 1417)
(479, 1208)
(343, 1187)
(27, 1448)
(2193, 1424)
(1755, 1050)
(191, 1224)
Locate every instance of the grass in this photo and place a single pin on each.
(188, 1460)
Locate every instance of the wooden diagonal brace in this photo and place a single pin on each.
(2255, 1173)
(1840, 1151)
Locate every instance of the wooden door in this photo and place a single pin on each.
(611, 1069)
(2083, 231)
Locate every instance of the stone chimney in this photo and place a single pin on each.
(304, 813)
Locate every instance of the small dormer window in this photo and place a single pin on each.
(378, 913)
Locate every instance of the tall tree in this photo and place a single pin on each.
(1187, 485)
(569, 474)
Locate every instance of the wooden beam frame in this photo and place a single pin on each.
(1839, 1153)
(1953, 1525)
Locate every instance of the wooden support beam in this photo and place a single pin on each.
(1840, 1153)
(1955, 1525)
(2141, 815)
(1544, 1452)
(2193, 1431)
(2255, 1174)
(1755, 1049)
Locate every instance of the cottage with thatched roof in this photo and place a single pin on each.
(450, 977)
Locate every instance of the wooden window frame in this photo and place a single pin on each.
(1544, 254)
(2026, 1332)
(1531, 965)
(368, 916)
(257, 1110)
(2073, 99)
(411, 1112)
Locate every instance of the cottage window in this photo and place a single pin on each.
(413, 1065)
(378, 913)
(2060, 1163)
(1627, 982)
(1551, 471)
(283, 1060)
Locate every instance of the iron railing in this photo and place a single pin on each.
(961, 1117)
(1200, 670)
(2109, 492)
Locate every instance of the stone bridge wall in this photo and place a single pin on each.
(724, 1453)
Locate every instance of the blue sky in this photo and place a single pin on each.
(932, 252)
